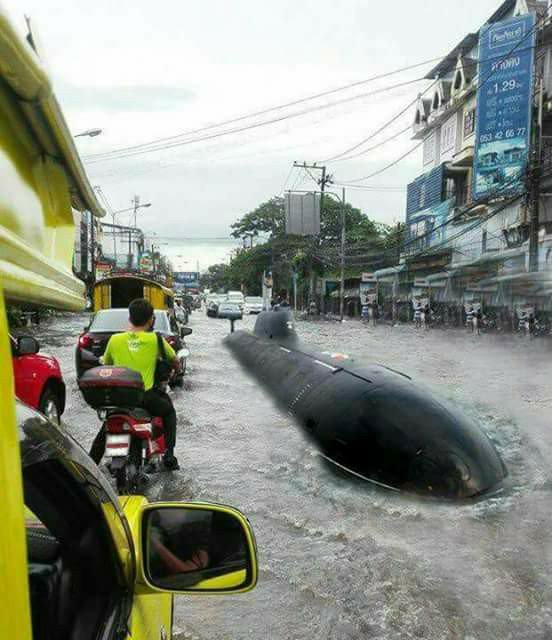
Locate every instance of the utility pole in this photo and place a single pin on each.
(322, 181)
(136, 205)
(342, 279)
(534, 186)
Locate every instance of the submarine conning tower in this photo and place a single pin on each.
(276, 325)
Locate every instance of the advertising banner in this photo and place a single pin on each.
(186, 279)
(504, 99)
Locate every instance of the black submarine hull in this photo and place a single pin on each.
(369, 419)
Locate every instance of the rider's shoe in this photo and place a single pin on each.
(170, 462)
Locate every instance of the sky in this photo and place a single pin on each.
(146, 70)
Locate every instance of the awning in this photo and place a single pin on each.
(436, 277)
(534, 277)
(389, 271)
(491, 256)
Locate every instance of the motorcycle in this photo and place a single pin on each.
(134, 439)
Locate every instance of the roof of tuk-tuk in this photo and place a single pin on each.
(148, 281)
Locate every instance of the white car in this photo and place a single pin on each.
(253, 304)
(230, 310)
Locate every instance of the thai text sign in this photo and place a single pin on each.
(504, 98)
(186, 278)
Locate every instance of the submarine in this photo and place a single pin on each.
(368, 419)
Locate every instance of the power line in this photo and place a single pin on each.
(388, 166)
(117, 155)
(376, 146)
(269, 109)
(381, 128)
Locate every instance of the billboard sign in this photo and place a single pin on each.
(302, 214)
(186, 279)
(504, 99)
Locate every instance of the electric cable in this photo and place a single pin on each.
(117, 155)
(277, 107)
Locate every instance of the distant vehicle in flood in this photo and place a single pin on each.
(230, 310)
(253, 304)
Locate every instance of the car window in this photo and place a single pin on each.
(161, 322)
(111, 320)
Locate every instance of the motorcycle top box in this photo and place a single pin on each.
(108, 386)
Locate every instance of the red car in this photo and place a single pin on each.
(38, 380)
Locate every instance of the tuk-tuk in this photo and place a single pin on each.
(75, 560)
(117, 292)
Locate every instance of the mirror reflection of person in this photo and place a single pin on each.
(198, 558)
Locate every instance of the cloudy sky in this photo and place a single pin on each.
(147, 70)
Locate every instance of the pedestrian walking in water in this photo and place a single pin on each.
(373, 313)
(476, 321)
(417, 316)
(530, 325)
(469, 318)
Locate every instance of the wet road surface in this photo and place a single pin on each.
(339, 558)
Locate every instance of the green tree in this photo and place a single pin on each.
(268, 217)
(216, 277)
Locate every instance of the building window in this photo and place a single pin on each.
(429, 149)
(469, 123)
(458, 80)
(461, 190)
(448, 135)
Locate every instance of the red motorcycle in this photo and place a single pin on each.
(134, 440)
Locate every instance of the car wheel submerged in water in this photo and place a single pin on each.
(50, 405)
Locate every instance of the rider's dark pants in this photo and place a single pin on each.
(156, 403)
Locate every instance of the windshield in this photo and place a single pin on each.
(116, 320)
(254, 300)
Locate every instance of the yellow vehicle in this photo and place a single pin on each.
(117, 292)
(76, 561)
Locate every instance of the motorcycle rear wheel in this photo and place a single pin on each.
(127, 478)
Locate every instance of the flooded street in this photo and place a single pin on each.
(340, 558)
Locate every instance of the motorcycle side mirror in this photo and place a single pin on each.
(185, 331)
(27, 345)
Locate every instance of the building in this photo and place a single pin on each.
(460, 248)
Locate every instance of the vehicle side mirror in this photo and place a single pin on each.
(27, 345)
(196, 548)
(185, 331)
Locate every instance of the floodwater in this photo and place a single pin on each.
(340, 558)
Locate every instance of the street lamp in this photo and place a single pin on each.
(140, 206)
(90, 133)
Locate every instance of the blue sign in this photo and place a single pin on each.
(186, 279)
(504, 105)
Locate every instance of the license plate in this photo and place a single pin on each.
(117, 445)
